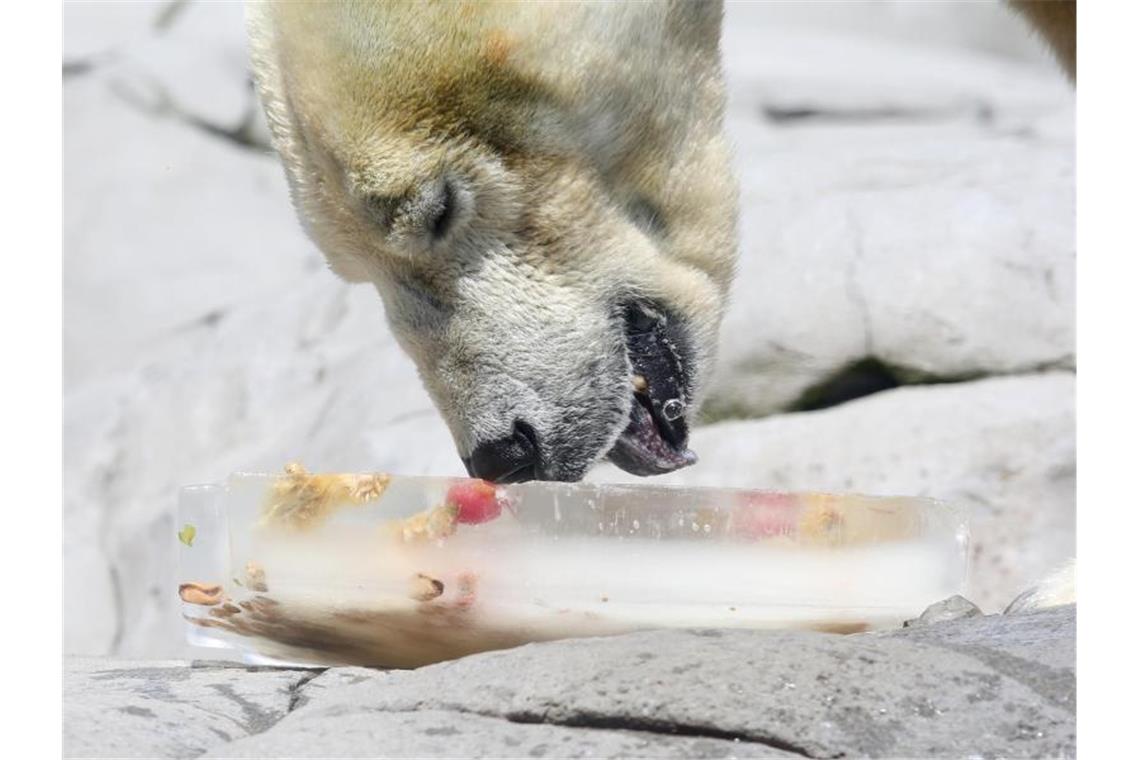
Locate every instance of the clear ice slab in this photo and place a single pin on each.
(395, 571)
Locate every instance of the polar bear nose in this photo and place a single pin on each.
(513, 459)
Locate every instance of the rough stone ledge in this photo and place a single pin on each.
(447, 733)
(978, 686)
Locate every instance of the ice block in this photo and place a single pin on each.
(395, 571)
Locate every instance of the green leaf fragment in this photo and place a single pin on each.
(186, 535)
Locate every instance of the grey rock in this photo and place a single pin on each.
(1037, 649)
(985, 686)
(953, 608)
(1044, 637)
(167, 709)
(364, 732)
(814, 694)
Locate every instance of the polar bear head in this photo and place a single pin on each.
(541, 195)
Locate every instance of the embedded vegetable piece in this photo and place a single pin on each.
(205, 594)
(424, 588)
(302, 500)
(186, 535)
(476, 501)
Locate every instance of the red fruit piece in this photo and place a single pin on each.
(476, 501)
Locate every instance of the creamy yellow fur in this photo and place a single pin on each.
(583, 145)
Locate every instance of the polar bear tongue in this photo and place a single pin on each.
(641, 449)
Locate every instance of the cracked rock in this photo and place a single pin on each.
(975, 687)
(443, 733)
(814, 694)
(165, 708)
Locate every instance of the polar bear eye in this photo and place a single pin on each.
(429, 211)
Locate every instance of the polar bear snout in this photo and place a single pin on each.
(513, 459)
(538, 403)
(517, 419)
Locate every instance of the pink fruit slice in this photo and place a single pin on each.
(476, 501)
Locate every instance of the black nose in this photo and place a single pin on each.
(513, 459)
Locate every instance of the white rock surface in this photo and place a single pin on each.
(1002, 447)
(203, 334)
(95, 31)
(157, 708)
(189, 57)
(923, 217)
(985, 26)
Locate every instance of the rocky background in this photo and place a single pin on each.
(907, 230)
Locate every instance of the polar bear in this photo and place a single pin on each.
(540, 193)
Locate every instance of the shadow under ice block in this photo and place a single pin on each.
(385, 570)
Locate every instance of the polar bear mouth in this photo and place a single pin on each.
(655, 438)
